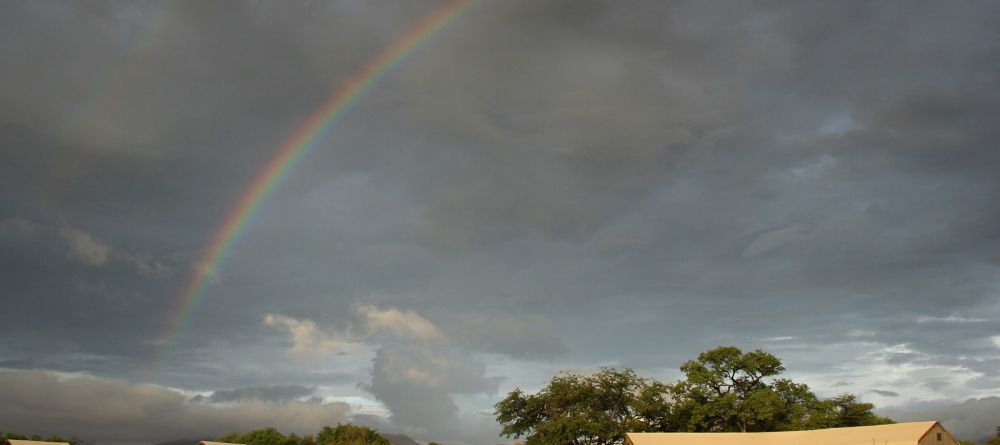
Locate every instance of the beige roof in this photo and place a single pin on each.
(33, 442)
(910, 433)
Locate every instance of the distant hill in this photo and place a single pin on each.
(395, 439)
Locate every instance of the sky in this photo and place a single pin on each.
(540, 186)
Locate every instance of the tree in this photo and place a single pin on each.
(995, 440)
(342, 434)
(52, 438)
(729, 390)
(596, 409)
(348, 434)
(264, 436)
(726, 390)
(847, 411)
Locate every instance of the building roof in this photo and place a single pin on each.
(909, 433)
(33, 442)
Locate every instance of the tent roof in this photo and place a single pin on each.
(893, 434)
(33, 442)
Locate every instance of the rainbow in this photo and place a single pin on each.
(288, 155)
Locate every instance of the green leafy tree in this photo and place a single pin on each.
(52, 438)
(847, 411)
(574, 409)
(728, 390)
(342, 434)
(231, 437)
(800, 408)
(263, 436)
(725, 389)
(995, 440)
(348, 434)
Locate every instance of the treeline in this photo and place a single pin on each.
(342, 434)
(724, 390)
(53, 438)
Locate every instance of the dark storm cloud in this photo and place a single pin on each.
(35, 401)
(973, 419)
(885, 393)
(279, 394)
(543, 181)
(527, 336)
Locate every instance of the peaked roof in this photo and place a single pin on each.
(908, 433)
(33, 442)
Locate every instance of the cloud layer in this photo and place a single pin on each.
(107, 411)
(543, 185)
(416, 369)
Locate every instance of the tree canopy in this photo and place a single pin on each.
(728, 390)
(342, 434)
(4, 435)
(348, 434)
(594, 409)
(995, 440)
(724, 389)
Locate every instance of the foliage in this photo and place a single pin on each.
(847, 411)
(725, 389)
(729, 390)
(348, 434)
(342, 434)
(995, 440)
(53, 438)
(596, 409)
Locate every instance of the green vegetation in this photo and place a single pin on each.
(725, 389)
(10, 435)
(996, 439)
(342, 434)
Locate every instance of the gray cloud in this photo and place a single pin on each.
(103, 410)
(416, 369)
(417, 385)
(523, 336)
(84, 248)
(973, 419)
(542, 182)
(279, 394)
(885, 393)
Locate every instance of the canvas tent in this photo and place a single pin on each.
(32, 442)
(910, 433)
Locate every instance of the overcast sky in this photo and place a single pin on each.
(541, 186)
